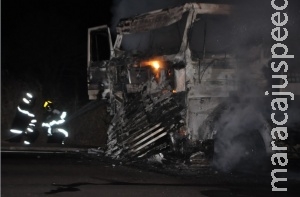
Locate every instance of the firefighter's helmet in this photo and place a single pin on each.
(48, 105)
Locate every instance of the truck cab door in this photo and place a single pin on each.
(100, 50)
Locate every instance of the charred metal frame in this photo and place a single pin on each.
(183, 114)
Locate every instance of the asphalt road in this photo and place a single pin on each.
(80, 174)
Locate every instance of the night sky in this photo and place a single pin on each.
(46, 41)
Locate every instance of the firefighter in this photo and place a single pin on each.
(24, 124)
(53, 123)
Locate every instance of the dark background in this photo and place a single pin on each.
(46, 42)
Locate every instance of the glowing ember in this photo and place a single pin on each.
(155, 64)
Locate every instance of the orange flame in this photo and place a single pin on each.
(155, 64)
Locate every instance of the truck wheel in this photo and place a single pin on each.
(245, 152)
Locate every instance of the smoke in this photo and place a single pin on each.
(239, 126)
(238, 139)
(238, 143)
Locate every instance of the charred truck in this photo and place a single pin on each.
(165, 80)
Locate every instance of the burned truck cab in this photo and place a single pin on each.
(160, 81)
(164, 80)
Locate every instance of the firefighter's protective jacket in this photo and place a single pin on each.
(54, 125)
(23, 126)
